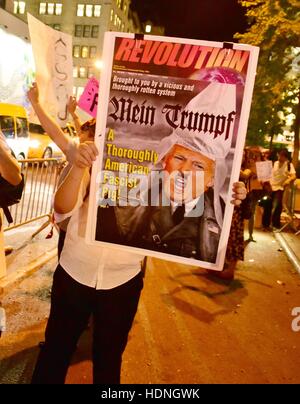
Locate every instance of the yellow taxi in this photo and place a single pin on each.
(41, 146)
(14, 126)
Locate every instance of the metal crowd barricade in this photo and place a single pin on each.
(293, 208)
(40, 177)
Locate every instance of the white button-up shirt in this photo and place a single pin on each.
(93, 265)
(280, 174)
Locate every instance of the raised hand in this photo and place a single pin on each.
(33, 94)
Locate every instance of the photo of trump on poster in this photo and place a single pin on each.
(171, 126)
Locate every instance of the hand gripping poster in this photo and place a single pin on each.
(171, 126)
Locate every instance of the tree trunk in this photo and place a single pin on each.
(271, 140)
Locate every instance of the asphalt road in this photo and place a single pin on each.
(190, 328)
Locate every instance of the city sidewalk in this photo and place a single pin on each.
(294, 242)
(29, 254)
(190, 326)
(291, 246)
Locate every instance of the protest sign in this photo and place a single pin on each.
(52, 52)
(88, 101)
(264, 170)
(170, 130)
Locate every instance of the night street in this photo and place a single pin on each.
(150, 195)
(189, 328)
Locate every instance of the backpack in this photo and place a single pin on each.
(10, 195)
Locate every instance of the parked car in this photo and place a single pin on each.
(14, 126)
(41, 145)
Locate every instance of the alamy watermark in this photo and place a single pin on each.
(296, 320)
(159, 188)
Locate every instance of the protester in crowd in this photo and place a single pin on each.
(89, 280)
(10, 170)
(63, 141)
(236, 247)
(11, 188)
(71, 106)
(258, 191)
(11, 181)
(282, 175)
(85, 132)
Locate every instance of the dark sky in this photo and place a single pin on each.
(215, 20)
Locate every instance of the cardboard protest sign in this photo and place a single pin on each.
(171, 132)
(264, 170)
(52, 52)
(88, 101)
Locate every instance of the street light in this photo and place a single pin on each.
(99, 64)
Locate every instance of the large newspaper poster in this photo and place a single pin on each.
(171, 127)
(52, 52)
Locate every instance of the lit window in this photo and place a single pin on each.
(93, 51)
(97, 10)
(78, 30)
(80, 10)
(82, 72)
(43, 8)
(99, 64)
(22, 6)
(75, 72)
(87, 31)
(111, 15)
(58, 9)
(89, 10)
(116, 19)
(76, 51)
(148, 28)
(19, 7)
(84, 51)
(50, 8)
(123, 27)
(125, 7)
(95, 31)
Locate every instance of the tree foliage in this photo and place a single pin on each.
(274, 26)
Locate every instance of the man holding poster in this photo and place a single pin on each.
(92, 279)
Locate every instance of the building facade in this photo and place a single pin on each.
(16, 59)
(86, 21)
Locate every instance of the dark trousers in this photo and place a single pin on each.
(255, 195)
(72, 304)
(61, 242)
(273, 209)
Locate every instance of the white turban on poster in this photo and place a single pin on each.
(217, 99)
